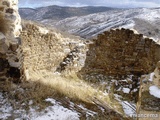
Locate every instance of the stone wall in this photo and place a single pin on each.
(9, 9)
(10, 28)
(44, 49)
(121, 52)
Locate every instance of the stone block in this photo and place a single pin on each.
(2, 9)
(6, 3)
(2, 38)
(3, 48)
(11, 17)
(14, 47)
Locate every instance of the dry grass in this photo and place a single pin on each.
(71, 86)
(4, 24)
(44, 84)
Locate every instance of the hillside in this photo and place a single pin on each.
(88, 22)
(57, 13)
(145, 21)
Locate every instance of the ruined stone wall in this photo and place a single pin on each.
(121, 52)
(43, 49)
(10, 28)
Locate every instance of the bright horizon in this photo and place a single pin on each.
(81, 3)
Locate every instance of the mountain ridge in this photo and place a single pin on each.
(89, 24)
(58, 13)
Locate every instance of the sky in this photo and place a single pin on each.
(79, 3)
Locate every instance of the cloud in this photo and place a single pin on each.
(109, 3)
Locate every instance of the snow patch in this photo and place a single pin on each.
(5, 108)
(53, 112)
(43, 30)
(56, 112)
(129, 108)
(88, 112)
(126, 90)
(155, 91)
(151, 76)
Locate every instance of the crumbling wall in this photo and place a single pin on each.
(10, 28)
(121, 52)
(44, 50)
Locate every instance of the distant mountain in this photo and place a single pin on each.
(87, 22)
(144, 20)
(58, 13)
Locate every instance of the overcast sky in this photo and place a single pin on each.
(77, 3)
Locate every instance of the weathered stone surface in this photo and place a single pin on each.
(9, 46)
(2, 38)
(121, 53)
(11, 17)
(147, 103)
(3, 64)
(48, 50)
(9, 10)
(1, 9)
(157, 77)
(6, 3)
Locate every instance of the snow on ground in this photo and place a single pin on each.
(5, 108)
(88, 112)
(54, 112)
(151, 76)
(155, 91)
(129, 108)
(93, 24)
(150, 14)
(126, 90)
(129, 25)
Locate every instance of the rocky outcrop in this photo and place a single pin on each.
(148, 105)
(10, 28)
(121, 52)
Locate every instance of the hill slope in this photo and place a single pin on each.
(144, 20)
(58, 13)
(87, 22)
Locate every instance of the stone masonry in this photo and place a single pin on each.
(46, 50)
(121, 52)
(9, 40)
